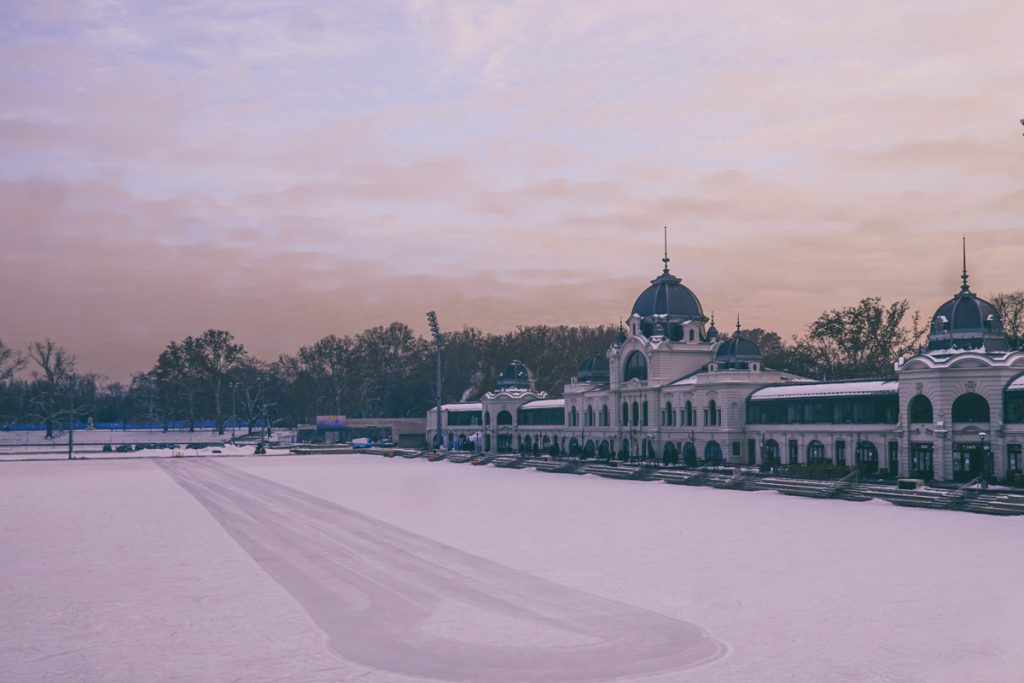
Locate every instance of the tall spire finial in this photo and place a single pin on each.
(737, 323)
(964, 287)
(665, 259)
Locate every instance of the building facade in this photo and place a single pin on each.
(670, 389)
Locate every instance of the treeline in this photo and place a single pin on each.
(385, 371)
(388, 371)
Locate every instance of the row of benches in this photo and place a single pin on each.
(970, 499)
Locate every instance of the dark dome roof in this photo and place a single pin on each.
(594, 369)
(620, 338)
(712, 331)
(668, 296)
(738, 349)
(967, 322)
(515, 375)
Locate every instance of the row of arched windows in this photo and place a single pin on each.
(638, 412)
(966, 408)
(688, 415)
(969, 407)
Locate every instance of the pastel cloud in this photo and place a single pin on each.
(287, 171)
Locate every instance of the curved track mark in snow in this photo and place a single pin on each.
(377, 591)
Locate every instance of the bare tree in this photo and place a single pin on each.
(53, 380)
(10, 362)
(329, 365)
(217, 355)
(250, 381)
(1011, 309)
(179, 380)
(862, 340)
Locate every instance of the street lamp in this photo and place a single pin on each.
(435, 330)
(234, 386)
(986, 455)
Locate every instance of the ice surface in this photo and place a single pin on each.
(185, 569)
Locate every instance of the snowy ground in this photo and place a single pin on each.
(320, 568)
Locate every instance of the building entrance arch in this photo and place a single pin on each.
(866, 457)
(670, 456)
(689, 454)
(970, 460)
(713, 452)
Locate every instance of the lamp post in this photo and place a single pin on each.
(234, 386)
(985, 460)
(71, 416)
(435, 330)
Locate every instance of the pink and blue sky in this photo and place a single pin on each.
(286, 170)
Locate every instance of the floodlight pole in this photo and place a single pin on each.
(71, 417)
(435, 329)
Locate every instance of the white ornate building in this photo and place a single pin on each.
(669, 389)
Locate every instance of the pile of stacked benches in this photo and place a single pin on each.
(556, 466)
(617, 471)
(510, 461)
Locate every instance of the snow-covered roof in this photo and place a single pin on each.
(463, 407)
(1017, 384)
(546, 403)
(827, 389)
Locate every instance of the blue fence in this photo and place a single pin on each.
(174, 425)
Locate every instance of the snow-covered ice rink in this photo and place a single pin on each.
(356, 567)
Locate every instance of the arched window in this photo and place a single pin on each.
(487, 417)
(713, 452)
(645, 413)
(590, 416)
(636, 367)
(504, 418)
(815, 453)
(669, 414)
(689, 453)
(636, 413)
(866, 457)
(691, 334)
(713, 412)
(970, 408)
(625, 414)
(689, 414)
(604, 415)
(920, 410)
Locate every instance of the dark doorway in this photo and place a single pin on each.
(968, 461)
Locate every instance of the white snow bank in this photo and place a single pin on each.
(544, 403)
(827, 389)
